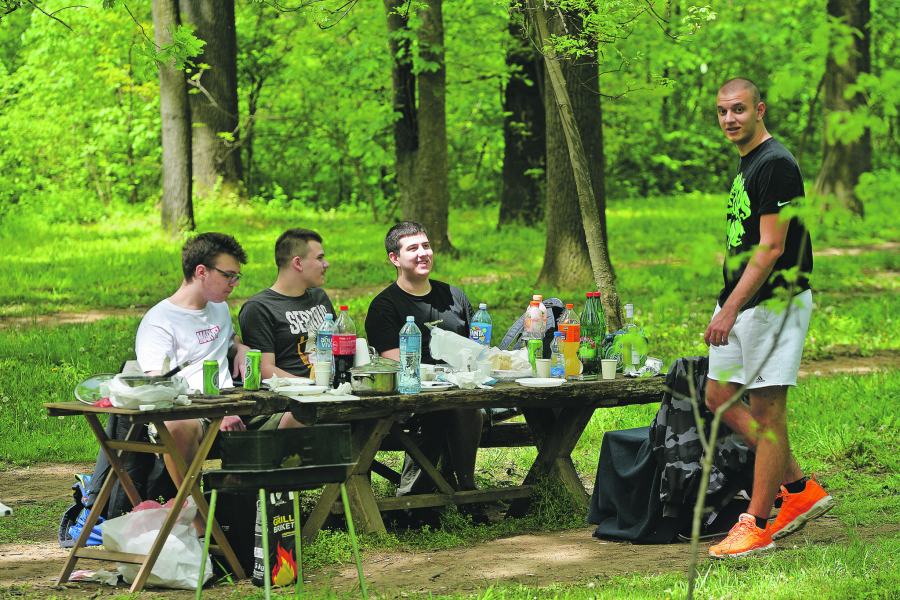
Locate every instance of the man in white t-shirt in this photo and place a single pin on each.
(194, 325)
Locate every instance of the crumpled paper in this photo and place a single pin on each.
(101, 576)
(342, 390)
(181, 400)
(144, 397)
(467, 380)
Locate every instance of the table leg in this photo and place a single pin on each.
(188, 486)
(365, 441)
(556, 450)
(116, 473)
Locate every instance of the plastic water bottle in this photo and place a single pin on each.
(480, 331)
(323, 339)
(540, 300)
(410, 358)
(533, 332)
(557, 360)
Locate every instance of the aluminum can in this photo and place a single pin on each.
(252, 374)
(210, 377)
(535, 350)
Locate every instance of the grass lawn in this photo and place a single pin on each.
(844, 428)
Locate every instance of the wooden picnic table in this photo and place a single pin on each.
(555, 419)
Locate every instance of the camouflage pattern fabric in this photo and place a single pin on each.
(675, 444)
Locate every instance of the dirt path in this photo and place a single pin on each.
(570, 557)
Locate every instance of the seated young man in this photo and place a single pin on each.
(194, 325)
(281, 321)
(415, 293)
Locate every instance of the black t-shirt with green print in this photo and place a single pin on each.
(768, 179)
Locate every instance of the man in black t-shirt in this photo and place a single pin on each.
(751, 344)
(415, 293)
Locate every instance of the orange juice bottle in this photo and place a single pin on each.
(570, 326)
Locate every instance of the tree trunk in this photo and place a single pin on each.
(430, 205)
(521, 201)
(215, 157)
(403, 94)
(843, 162)
(590, 216)
(175, 114)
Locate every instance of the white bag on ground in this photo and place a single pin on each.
(178, 565)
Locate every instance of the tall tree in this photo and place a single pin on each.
(177, 206)
(524, 136)
(844, 161)
(214, 113)
(567, 260)
(403, 94)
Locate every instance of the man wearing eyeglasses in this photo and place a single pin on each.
(281, 321)
(194, 325)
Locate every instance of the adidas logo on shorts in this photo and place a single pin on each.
(759, 379)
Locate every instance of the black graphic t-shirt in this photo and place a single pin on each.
(285, 326)
(768, 179)
(388, 312)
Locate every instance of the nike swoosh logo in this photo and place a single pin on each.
(783, 203)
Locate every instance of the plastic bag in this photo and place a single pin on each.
(514, 366)
(143, 397)
(178, 565)
(453, 348)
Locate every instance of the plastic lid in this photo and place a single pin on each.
(589, 294)
(570, 306)
(538, 297)
(629, 311)
(482, 306)
(343, 308)
(558, 334)
(410, 319)
(534, 303)
(329, 317)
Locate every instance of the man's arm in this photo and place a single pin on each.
(238, 352)
(267, 367)
(772, 235)
(393, 353)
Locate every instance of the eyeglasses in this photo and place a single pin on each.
(233, 278)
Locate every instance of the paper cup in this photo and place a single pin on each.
(542, 367)
(485, 367)
(362, 352)
(608, 366)
(323, 374)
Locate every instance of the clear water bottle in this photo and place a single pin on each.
(557, 360)
(480, 331)
(540, 300)
(323, 339)
(630, 344)
(410, 358)
(533, 332)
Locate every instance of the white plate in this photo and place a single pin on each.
(510, 375)
(291, 381)
(437, 385)
(323, 398)
(301, 390)
(540, 381)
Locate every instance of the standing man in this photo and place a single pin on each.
(428, 300)
(751, 345)
(281, 322)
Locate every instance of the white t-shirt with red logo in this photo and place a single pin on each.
(170, 336)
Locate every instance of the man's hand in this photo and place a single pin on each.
(719, 328)
(240, 358)
(232, 423)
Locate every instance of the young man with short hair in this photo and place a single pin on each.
(428, 300)
(751, 345)
(282, 320)
(193, 325)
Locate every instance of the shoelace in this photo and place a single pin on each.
(742, 529)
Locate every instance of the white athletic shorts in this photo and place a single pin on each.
(751, 340)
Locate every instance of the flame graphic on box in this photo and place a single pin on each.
(285, 569)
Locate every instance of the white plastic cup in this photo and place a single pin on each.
(485, 367)
(362, 353)
(542, 367)
(608, 366)
(323, 374)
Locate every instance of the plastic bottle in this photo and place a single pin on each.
(533, 332)
(343, 347)
(323, 340)
(410, 358)
(540, 300)
(630, 344)
(480, 330)
(592, 331)
(570, 326)
(557, 360)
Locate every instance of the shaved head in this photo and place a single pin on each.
(739, 84)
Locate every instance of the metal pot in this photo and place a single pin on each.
(380, 376)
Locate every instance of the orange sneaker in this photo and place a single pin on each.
(797, 509)
(744, 539)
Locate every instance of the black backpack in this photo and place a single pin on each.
(513, 338)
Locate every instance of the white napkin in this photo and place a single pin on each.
(276, 382)
(468, 380)
(342, 390)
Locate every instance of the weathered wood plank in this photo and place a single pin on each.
(428, 500)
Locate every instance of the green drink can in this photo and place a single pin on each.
(535, 350)
(210, 377)
(252, 374)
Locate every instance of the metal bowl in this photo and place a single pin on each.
(380, 382)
